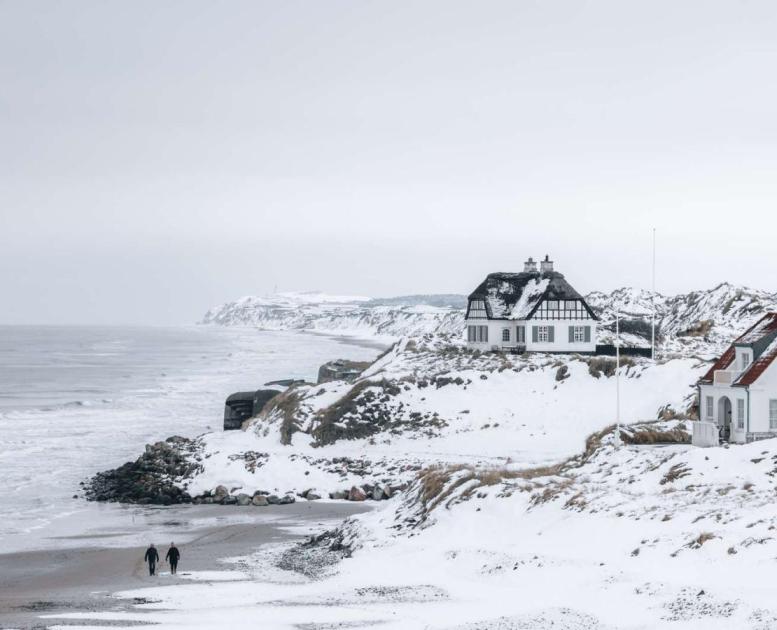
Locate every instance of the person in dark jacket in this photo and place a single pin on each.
(152, 557)
(172, 557)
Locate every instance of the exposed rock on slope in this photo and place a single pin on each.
(158, 476)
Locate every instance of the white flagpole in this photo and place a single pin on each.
(617, 378)
(653, 303)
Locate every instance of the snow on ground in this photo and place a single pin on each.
(503, 528)
(633, 538)
(428, 405)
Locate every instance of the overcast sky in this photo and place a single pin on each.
(159, 157)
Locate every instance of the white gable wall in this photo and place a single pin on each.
(761, 392)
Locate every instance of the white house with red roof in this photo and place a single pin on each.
(739, 392)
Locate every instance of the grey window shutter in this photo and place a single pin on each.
(571, 334)
(587, 334)
(551, 330)
(535, 333)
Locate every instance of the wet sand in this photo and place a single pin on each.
(34, 583)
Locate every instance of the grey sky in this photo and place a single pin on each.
(159, 157)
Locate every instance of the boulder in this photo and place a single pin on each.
(220, 492)
(231, 500)
(243, 499)
(356, 494)
(387, 492)
(287, 499)
(312, 495)
(339, 495)
(377, 494)
(273, 499)
(259, 500)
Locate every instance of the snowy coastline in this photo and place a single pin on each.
(497, 467)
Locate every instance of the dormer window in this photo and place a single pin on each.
(744, 360)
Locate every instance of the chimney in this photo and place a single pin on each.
(530, 266)
(546, 265)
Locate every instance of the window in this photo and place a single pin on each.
(745, 359)
(505, 334)
(520, 334)
(740, 414)
(477, 308)
(578, 334)
(542, 334)
(710, 407)
(773, 414)
(570, 305)
(477, 334)
(551, 305)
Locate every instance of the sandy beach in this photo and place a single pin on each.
(68, 579)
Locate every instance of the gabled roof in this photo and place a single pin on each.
(518, 295)
(762, 338)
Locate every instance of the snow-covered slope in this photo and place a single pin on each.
(430, 403)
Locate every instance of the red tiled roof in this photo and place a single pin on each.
(722, 363)
(764, 326)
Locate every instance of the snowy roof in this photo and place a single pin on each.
(762, 338)
(517, 295)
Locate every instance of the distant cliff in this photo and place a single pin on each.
(391, 317)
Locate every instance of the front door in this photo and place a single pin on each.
(724, 417)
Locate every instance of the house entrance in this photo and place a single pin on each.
(724, 417)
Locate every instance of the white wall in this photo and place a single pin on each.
(733, 393)
(561, 334)
(764, 389)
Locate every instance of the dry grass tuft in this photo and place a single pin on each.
(286, 405)
(702, 538)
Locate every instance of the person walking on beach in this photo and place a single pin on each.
(172, 557)
(152, 557)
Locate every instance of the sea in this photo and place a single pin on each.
(78, 400)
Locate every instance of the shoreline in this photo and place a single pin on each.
(83, 579)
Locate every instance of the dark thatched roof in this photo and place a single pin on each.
(517, 295)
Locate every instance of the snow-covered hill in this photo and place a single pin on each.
(698, 323)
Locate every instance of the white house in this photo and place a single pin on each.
(533, 311)
(739, 392)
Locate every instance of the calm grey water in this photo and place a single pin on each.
(77, 400)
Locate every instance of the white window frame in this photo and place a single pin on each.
(744, 360)
(570, 305)
(773, 413)
(551, 305)
(740, 413)
(506, 334)
(520, 334)
(543, 334)
(710, 407)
